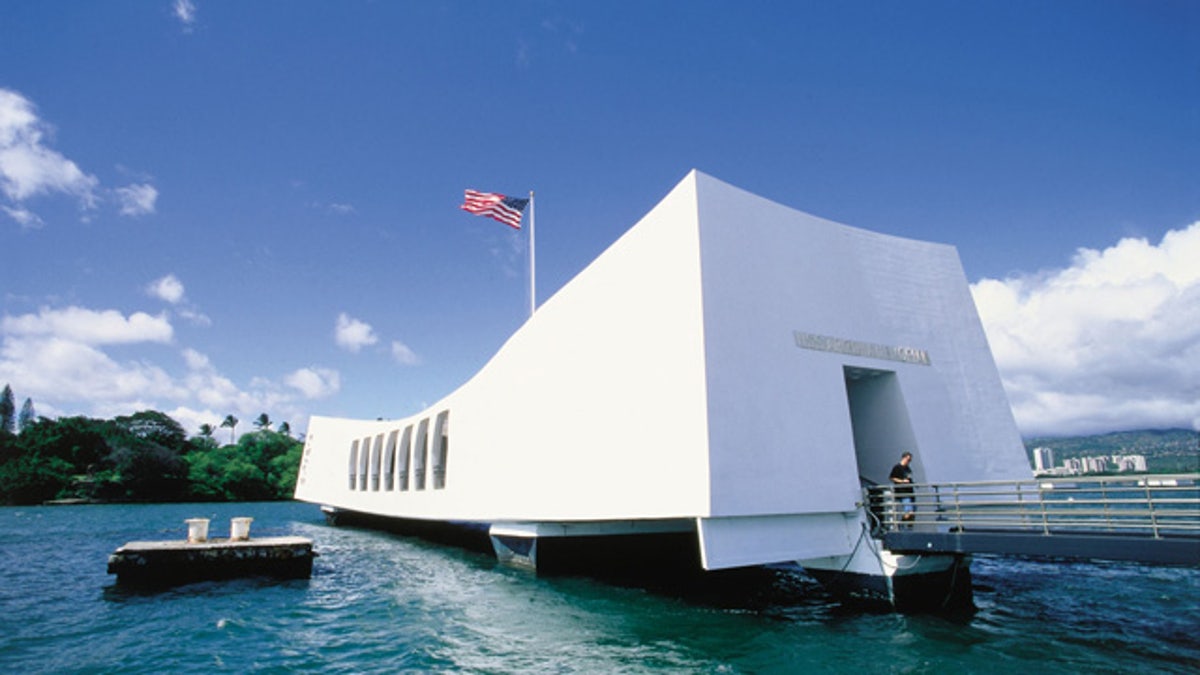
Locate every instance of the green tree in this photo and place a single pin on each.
(8, 409)
(8, 447)
(231, 422)
(31, 479)
(27, 415)
(262, 422)
(285, 429)
(205, 474)
(283, 469)
(146, 471)
(156, 427)
(261, 466)
(144, 456)
(81, 442)
(46, 460)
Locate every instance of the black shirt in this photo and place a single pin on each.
(904, 473)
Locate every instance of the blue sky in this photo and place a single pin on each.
(227, 207)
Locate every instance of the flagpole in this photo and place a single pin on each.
(532, 260)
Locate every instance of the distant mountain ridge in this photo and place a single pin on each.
(1166, 450)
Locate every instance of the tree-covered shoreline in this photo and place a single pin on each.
(144, 457)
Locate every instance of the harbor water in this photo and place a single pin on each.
(381, 603)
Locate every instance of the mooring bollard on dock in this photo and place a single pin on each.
(197, 530)
(199, 558)
(239, 529)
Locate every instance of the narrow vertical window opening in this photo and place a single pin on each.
(376, 457)
(441, 447)
(404, 459)
(353, 463)
(389, 460)
(364, 458)
(420, 454)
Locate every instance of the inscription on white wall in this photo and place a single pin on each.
(825, 343)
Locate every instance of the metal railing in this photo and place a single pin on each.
(1153, 505)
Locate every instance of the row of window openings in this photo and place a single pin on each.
(383, 462)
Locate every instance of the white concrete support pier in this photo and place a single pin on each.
(199, 558)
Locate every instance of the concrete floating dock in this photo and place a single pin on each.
(202, 559)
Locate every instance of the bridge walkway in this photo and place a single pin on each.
(1145, 518)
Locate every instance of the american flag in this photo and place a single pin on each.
(507, 210)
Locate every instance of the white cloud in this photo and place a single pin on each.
(65, 360)
(1111, 342)
(315, 382)
(75, 370)
(352, 334)
(185, 11)
(89, 327)
(137, 200)
(195, 360)
(28, 220)
(27, 167)
(403, 354)
(168, 289)
(195, 317)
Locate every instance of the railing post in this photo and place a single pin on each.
(1150, 505)
(1042, 508)
(1024, 517)
(957, 509)
(1104, 503)
(888, 511)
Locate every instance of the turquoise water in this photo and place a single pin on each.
(379, 603)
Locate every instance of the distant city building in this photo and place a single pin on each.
(1129, 462)
(1074, 466)
(1043, 459)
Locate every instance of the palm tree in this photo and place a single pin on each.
(285, 429)
(263, 422)
(207, 430)
(231, 422)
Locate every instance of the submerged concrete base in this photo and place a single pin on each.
(935, 584)
(657, 551)
(467, 535)
(178, 562)
(624, 555)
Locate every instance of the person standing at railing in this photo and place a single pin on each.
(901, 478)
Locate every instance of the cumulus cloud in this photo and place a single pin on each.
(61, 351)
(315, 382)
(137, 199)
(64, 369)
(88, 327)
(67, 361)
(352, 334)
(168, 289)
(1110, 342)
(403, 355)
(28, 167)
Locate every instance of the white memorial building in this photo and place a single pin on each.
(726, 376)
